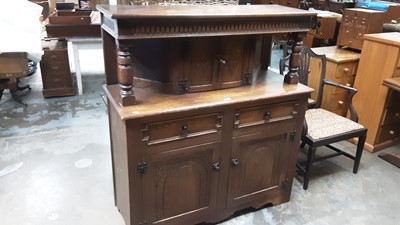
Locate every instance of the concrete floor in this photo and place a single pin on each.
(55, 168)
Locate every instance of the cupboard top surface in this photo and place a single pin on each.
(391, 38)
(200, 11)
(338, 55)
(153, 101)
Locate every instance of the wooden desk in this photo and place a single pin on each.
(87, 36)
(376, 106)
(394, 85)
(199, 156)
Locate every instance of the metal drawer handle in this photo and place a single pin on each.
(346, 69)
(184, 130)
(397, 114)
(53, 57)
(348, 85)
(391, 132)
(235, 162)
(340, 102)
(215, 167)
(267, 116)
(222, 61)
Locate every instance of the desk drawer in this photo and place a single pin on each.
(173, 130)
(51, 69)
(60, 56)
(388, 132)
(58, 81)
(249, 117)
(391, 115)
(346, 69)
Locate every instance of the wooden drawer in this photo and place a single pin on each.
(173, 130)
(388, 132)
(55, 56)
(337, 103)
(391, 115)
(58, 81)
(346, 69)
(51, 69)
(347, 81)
(255, 116)
(393, 100)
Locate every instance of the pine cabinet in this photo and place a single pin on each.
(378, 109)
(341, 67)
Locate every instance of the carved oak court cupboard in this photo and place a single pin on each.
(202, 132)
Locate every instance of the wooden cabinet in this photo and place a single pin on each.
(204, 64)
(201, 163)
(378, 109)
(341, 67)
(222, 146)
(56, 75)
(355, 23)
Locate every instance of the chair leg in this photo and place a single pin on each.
(360, 149)
(310, 160)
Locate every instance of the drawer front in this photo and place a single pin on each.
(388, 132)
(51, 69)
(57, 81)
(180, 129)
(249, 117)
(55, 56)
(337, 103)
(347, 81)
(393, 99)
(346, 69)
(391, 115)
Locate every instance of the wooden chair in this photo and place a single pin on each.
(323, 128)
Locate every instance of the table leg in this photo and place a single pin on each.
(75, 49)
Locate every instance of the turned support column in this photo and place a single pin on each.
(292, 77)
(125, 76)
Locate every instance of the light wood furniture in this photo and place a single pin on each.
(378, 109)
(199, 156)
(357, 22)
(341, 67)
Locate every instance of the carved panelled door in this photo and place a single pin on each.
(181, 184)
(199, 63)
(258, 166)
(231, 61)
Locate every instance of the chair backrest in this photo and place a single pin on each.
(308, 56)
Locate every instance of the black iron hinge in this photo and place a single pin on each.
(183, 86)
(246, 79)
(141, 168)
(292, 135)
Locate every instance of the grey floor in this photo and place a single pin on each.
(55, 168)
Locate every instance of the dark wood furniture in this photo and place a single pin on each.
(394, 86)
(380, 59)
(357, 22)
(324, 128)
(200, 156)
(54, 66)
(14, 66)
